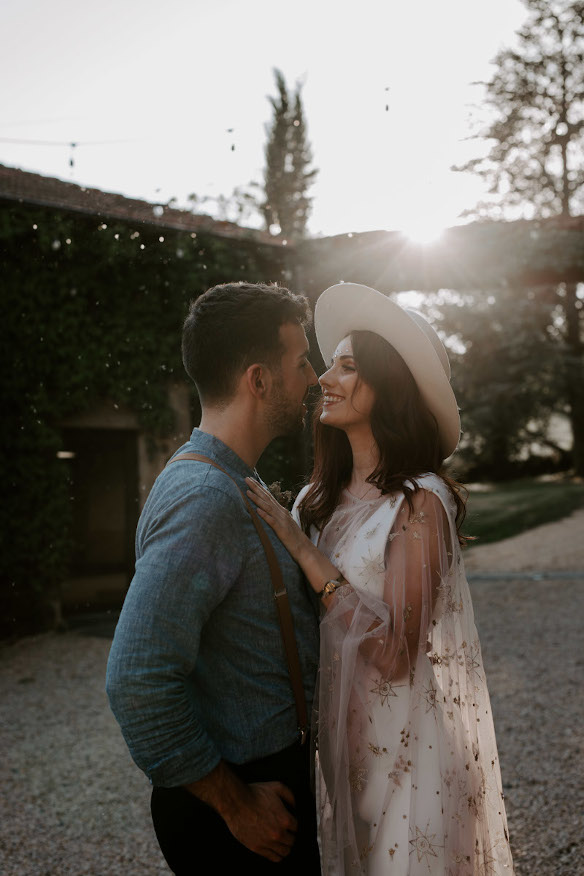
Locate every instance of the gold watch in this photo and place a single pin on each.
(330, 586)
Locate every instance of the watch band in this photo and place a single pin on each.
(331, 585)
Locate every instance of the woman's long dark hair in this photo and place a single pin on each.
(404, 430)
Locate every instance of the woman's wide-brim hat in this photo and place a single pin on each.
(349, 307)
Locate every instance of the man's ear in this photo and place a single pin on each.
(259, 380)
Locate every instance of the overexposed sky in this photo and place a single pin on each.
(150, 89)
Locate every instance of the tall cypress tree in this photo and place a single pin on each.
(287, 174)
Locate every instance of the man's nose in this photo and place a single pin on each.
(312, 378)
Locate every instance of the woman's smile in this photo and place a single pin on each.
(330, 399)
(358, 395)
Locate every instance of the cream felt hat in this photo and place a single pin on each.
(348, 307)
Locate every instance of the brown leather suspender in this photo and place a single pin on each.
(281, 597)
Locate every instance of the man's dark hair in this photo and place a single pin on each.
(230, 327)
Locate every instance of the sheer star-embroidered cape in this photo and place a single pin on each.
(408, 778)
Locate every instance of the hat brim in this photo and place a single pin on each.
(348, 307)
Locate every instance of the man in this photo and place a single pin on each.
(197, 674)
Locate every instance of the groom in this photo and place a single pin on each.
(197, 674)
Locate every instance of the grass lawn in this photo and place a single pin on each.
(496, 511)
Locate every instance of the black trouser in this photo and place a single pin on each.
(196, 841)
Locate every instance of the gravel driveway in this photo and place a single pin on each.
(72, 802)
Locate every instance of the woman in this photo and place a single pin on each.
(408, 778)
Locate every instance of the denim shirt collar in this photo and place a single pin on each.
(213, 447)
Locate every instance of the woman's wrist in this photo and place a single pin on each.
(317, 568)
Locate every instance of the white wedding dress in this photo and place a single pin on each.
(409, 779)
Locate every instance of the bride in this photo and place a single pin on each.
(408, 773)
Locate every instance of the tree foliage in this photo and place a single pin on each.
(536, 100)
(287, 174)
(535, 165)
(505, 380)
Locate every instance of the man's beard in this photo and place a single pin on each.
(284, 416)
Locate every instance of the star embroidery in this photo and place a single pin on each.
(448, 778)
(384, 690)
(423, 846)
(473, 659)
(365, 852)
(445, 589)
(372, 565)
(371, 532)
(488, 862)
(472, 805)
(395, 777)
(446, 594)
(430, 694)
(400, 766)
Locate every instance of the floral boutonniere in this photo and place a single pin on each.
(283, 497)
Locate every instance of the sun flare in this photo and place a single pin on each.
(423, 230)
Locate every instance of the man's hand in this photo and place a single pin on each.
(263, 823)
(256, 814)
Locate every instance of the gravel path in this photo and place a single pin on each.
(72, 802)
(555, 546)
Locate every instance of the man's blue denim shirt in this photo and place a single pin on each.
(197, 670)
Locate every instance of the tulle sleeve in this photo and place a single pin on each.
(418, 557)
(408, 762)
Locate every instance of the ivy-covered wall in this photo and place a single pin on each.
(91, 310)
